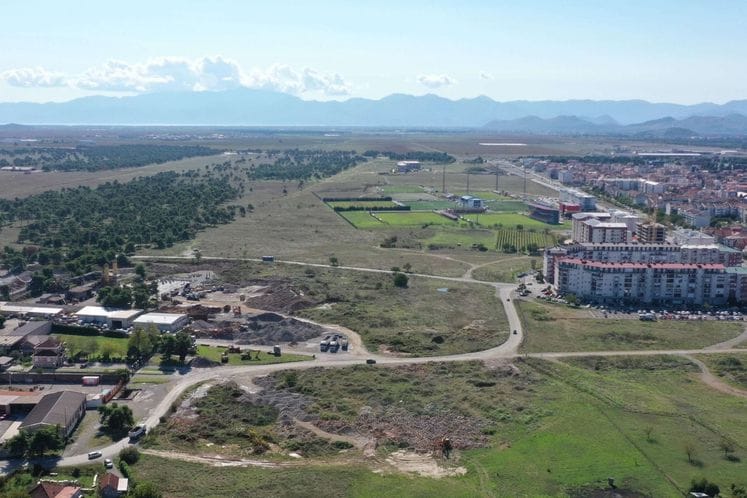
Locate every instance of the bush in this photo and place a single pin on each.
(130, 455)
(400, 280)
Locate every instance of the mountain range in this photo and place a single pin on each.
(250, 107)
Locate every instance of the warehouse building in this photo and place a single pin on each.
(29, 311)
(63, 409)
(112, 318)
(165, 322)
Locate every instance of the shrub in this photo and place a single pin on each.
(129, 455)
(400, 280)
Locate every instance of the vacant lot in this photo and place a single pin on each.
(732, 367)
(550, 327)
(505, 270)
(429, 317)
(553, 429)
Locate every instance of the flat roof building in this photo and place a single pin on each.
(32, 311)
(165, 322)
(111, 317)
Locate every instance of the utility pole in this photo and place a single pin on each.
(467, 183)
(443, 181)
(496, 178)
(525, 182)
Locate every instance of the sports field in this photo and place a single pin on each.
(509, 220)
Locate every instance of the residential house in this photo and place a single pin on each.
(49, 353)
(44, 489)
(113, 486)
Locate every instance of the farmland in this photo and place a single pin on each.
(520, 240)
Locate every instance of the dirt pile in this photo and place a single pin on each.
(270, 328)
(281, 297)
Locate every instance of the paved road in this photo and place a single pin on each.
(507, 350)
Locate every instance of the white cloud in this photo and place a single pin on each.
(485, 75)
(435, 80)
(28, 77)
(180, 74)
(283, 78)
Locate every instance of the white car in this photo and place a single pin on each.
(94, 454)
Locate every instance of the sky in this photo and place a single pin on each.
(682, 51)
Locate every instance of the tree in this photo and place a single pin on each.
(407, 268)
(649, 431)
(117, 418)
(145, 490)
(45, 439)
(168, 346)
(400, 280)
(106, 351)
(140, 271)
(182, 345)
(18, 445)
(130, 454)
(5, 292)
(334, 261)
(705, 486)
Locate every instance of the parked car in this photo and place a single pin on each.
(108, 463)
(94, 455)
(370, 361)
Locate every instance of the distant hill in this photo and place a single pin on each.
(666, 127)
(265, 108)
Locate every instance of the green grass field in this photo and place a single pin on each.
(429, 205)
(551, 327)
(115, 346)
(362, 204)
(361, 219)
(404, 218)
(510, 220)
(214, 354)
(505, 271)
(731, 367)
(460, 237)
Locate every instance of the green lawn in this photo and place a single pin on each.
(362, 203)
(401, 189)
(460, 237)
(405, 218)
(551, 327)
(429, 205)
(116, 346)
(214, 354)
(361, 219)
(485, 195)
(510, 220)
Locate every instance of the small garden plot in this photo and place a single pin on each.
(522, 240)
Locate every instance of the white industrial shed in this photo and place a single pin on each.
(113, 318)
(165, 322)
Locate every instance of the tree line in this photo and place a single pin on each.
(100, 157)
(81, 229)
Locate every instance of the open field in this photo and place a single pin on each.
(214, 354)
(731, 367)
(522, 239)
(511, 220)
(560, 429)
(551, 327)
(506, 270)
